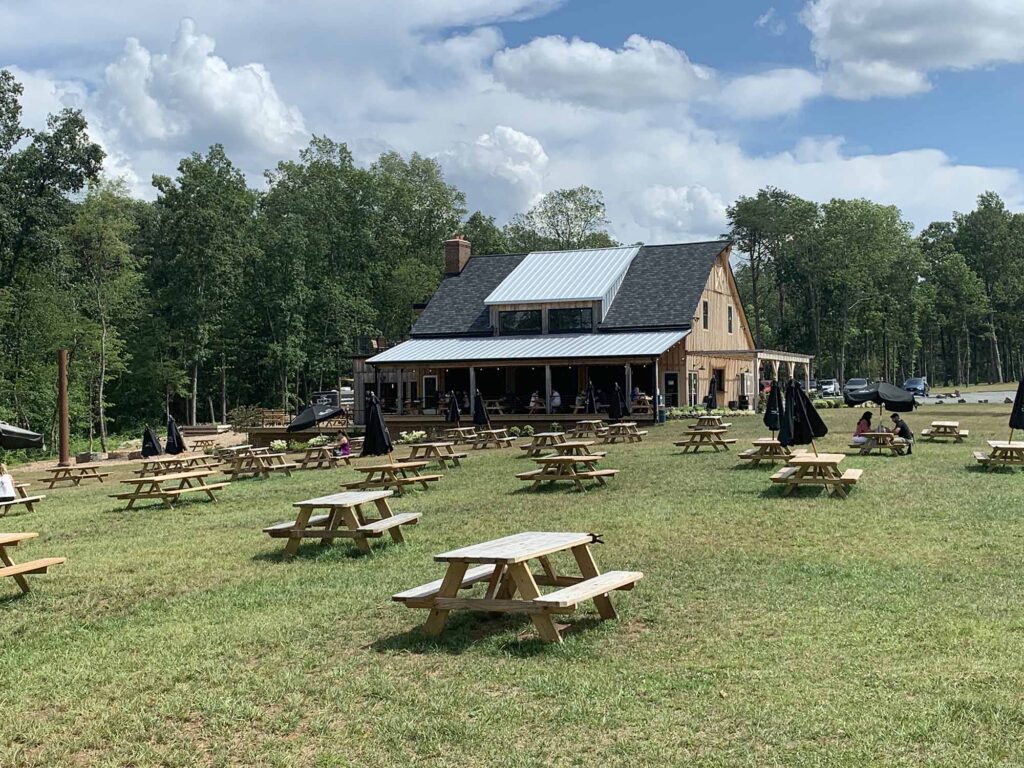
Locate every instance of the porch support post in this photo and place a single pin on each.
(792, 369)
(807, 375)
(399, 406)
(657, 389)
(775, 370)
(472, 387)
(547, 389)
(629, 380)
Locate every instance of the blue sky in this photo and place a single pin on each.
(672, 109)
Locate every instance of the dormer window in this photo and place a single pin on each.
(519, 322)
(574, 320)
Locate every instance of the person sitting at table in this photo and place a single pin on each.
(904, 434)
(344, 446)
(864, 425)
(536, 403)
(581, 402)
(634, 395)
(556, 400)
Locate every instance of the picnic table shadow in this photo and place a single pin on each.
(313, 550)
(465, 629)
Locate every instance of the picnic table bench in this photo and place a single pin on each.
(75, 474)
(18, 571)
(882, 440)
(461, 435)
(258, 462)
(23, 497)
(626, 431)
(573, 469)
(820, 469)
(499, 438)
(395, 475)
(588, 428)
(504, 564)
(442, 453)
(1001, 453)
(765, 449)
(942, 430)
(324, 457)
(344, 519)
(710, 421)
(704, 437)
(540, 441)
(166, 487)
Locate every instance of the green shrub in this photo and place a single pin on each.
(526, 430)
(278, 446)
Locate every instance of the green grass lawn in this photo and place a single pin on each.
(885, 629)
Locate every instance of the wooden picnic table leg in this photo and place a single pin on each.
(450, 585)
(589, 570)
(295, 538)
(520, 573)
(18, 577)
(384, 510)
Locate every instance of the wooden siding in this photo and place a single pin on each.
(720, 292)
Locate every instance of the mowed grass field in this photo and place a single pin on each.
(886, 629)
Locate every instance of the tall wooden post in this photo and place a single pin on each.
(63, 418)
(547, 389)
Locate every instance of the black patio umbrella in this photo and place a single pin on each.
(773, 408)
(618, 408)
(884, 396)
(1017, 414)
(13, 438)
(591, 399)
(801, 423)
(454, 414)
(377, 441)
(480, 417)
(313, 415)
(150, 443)
(175, 442)
(712, 401)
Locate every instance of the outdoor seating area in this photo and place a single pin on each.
(945, 430)
(75, 474)
(492, 438)
(396, 475)
(324, 457)
(572, 468)
(704, 437)
(441, 453)
(821, 469)
(257, 462)
(1001, 453)
(169, 487)
(882, 442)
(767, 449)
(623, 431)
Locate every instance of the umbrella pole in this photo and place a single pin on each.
(814, 447)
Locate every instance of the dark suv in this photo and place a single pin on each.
(919, 386)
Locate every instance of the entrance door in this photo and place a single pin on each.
(430, 394)
(671, 389)
(692, 388)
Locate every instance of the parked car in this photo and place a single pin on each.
(829, 387)
(918, 385)
(812, 385)
(855, 385)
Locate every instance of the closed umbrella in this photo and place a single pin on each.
(801, 423)
(175, 442)
(591, 399)
(454, 414)
(773, 408)
(480, 417)
(712, 400)
(618, 408)
(150, 443)
(13, 438)
(884, 396)
(313, 415)
(1017, 414)
(377, 441)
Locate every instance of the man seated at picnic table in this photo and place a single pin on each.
(556, 400)
(863, 425)
(904, 434)
(635, 394)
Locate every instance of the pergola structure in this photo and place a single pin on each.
(758, 358)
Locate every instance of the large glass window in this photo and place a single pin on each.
(704, 315)
(577, 320)
(523, 321)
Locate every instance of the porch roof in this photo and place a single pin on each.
(569, 347)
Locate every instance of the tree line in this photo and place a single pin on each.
(849, 282)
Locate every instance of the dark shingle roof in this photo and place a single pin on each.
(663, 285)
(457, 309)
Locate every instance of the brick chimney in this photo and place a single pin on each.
(456, 254)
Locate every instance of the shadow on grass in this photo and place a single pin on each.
(560, 487)
(312, 549)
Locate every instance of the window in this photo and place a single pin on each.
(729, 317)
(704, 315)
(578, 320)
(519, 322)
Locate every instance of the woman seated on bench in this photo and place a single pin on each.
(864, 425)
(7, 490)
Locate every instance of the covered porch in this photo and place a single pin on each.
(745, 369)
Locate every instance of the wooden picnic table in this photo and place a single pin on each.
(712, 438)
(442, 453)
(234, 450)
(643, 404)
(541, 441)
(881, 440)
(461, 435)
(395, 475)
(1002, 453)
(166, 487)
(258, 462)
(569, 468)
(499, 438)
(504, 565)
(202, 443)
(626, 431)
(942, 430)
(75, 474)
(18, 571)
(710, 421)
(821, 469)
(23, 498)
(494, 405)
(588, 428)
(344, 519)
(164, 465)
(766, 449)
(324, 457)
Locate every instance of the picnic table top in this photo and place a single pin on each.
(691, 431)
(516, 548)
(573, 444)
(1016, 445)
(567, 459)
(491, 431)
(73, 466)
(344, 499)
(953, 424)
(393, 467)
(460, 429)
(622, 424)
(441, 444)
(169, 478)
(589, 422)
(165, 459)
(878, 433)
(236, 448)
(821, 458)
(766, 441)
(547, 434)
(708, 417)
(14, 538)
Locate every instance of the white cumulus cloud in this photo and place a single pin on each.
(769, 94)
